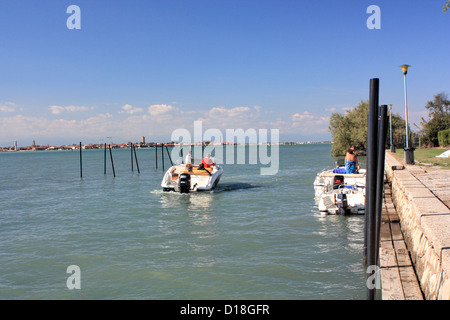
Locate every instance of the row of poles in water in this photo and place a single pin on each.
(376, 138)
(133, 158)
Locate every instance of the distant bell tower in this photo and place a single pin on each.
(143, 140)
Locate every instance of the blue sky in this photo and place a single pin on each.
(144, 68)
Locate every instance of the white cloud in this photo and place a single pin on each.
(59, 109)
(302, 116)
(56, 109)
(224, 113)
(159, 109)
(130, 109)
(8, 107)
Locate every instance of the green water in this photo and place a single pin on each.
(255, 237)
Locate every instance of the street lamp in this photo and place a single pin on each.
(409, 152)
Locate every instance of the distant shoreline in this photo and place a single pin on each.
(90, 146)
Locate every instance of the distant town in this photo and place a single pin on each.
(141, 144)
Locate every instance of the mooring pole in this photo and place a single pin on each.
(131, 157)
(156, 155)
(371, 169)
(81, 164)
(162, 155)
(170, 158)
(112, 162)
(182, 160)
(104, 160)
(135, 157)
(382, 132)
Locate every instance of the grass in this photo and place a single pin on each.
(427, 157)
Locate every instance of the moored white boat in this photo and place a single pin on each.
(177, 178)
(340, 193)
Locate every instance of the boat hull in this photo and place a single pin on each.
(339, 193)
(199, 180)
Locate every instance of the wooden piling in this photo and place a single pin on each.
(162, 155)
(170, 158)
(112, 162)
(104, 159)
(135, 157)
(131, 149)
(81, 164)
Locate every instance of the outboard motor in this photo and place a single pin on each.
(184, 183)
(338, 181)
(342, 203)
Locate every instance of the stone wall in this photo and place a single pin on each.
(425, 223)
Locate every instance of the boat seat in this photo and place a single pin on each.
(199, 172)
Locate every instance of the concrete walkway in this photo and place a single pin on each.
(421, 198)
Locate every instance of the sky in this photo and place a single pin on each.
(148, 67)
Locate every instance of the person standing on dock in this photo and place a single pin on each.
(351, 161)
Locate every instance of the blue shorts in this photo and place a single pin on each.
(350, 167)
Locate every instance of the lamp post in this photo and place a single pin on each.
(409, 152)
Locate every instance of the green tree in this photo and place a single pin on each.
(439, 119)
(351, 129)
(446, 6)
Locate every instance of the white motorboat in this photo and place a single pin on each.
(179, 179)
(341, 193)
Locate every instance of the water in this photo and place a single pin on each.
(255, 237)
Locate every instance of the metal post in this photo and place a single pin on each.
(156, 155)
(104, 160)
(406, 114)
(131, 149)
(168, 153)
(112, 162)
(390, 129)
(162, 155)
(380, 175)
(81, 164)
(182, 160)
(371, 168)
(135, 157)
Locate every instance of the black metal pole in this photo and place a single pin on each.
(104, 160)
(162, 155)
(112, 162)
(371, 168)
(182, 160)
(81, 164)
(135, 157)
(170, 158)
(382, 132)
(156, 155)
(131, 157)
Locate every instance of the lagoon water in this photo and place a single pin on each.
(255, 237)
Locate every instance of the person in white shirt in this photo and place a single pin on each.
(188, 160)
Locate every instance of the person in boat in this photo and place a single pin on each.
(207, 161)
(351, 161)
(188, 161)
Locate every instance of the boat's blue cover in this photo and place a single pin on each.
(339, 170)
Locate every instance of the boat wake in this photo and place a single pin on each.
(234, 186)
